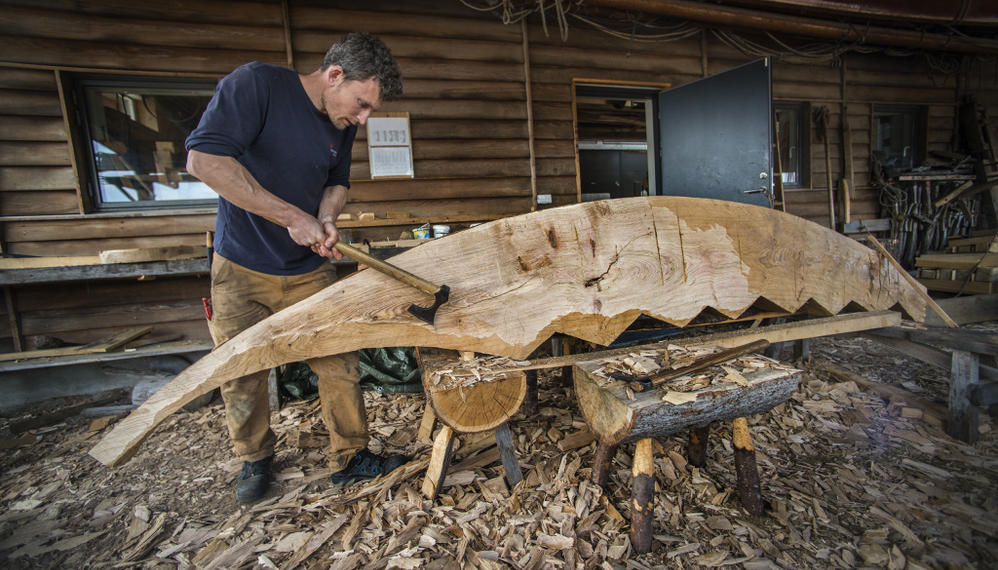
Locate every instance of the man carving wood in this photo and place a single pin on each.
(276, 146)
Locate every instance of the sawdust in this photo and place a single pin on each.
(850, 480)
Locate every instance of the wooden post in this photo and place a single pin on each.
(288, 48)
(439, 461)
(823, 117)
(696, 447)
(802, 349)
(745, 468)
(962, 420)
(846, 183)
(778, 197)
(530, 400)
(425, 433)
(601, 463)
(642, 495)
(845, 200)
(15, 326)
(504, 440)
(566, 371)
(530, 115)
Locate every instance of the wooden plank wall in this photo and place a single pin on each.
(88, 311)
(981, 81)
(465, 91)
(35, 172)
(589, 54)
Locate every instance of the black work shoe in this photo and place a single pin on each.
(253, 480)
(365, 465)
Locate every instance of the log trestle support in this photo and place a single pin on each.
(617, 416)
(643, 476)
(469, 408)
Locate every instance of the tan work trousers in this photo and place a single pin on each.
(241, 298)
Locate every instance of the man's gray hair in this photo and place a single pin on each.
(363, 56)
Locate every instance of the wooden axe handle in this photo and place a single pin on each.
(387, 268)
(382, 266)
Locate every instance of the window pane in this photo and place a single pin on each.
(895, 138)
(137, 134)
(788, 120)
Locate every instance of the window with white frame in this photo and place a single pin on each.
(135, 131)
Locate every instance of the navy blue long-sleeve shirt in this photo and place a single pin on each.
(261, 116)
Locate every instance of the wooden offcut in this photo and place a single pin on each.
(587, 270)
(139, 255)
(617, 415)
(443, 446)
(465, 395)
(468, 399)
(108, 344)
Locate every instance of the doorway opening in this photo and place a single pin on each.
(616, 144)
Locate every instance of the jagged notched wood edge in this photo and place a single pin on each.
(587, 270)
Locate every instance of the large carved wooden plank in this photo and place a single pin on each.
(586, 270)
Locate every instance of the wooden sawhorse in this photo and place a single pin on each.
(617, 414)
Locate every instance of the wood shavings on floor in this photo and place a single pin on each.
(850, 479)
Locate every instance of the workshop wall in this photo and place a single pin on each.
(466, 86)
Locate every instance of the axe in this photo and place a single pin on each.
(440, 292)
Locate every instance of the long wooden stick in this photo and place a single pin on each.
(913, 282)
(823, 117)
(706, 362)
(813, 328)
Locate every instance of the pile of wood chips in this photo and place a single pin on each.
(851, 480)
(644, 363)
(468, 373)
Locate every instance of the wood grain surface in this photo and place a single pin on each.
(586, 270)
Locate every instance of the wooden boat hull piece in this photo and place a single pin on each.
(586, 270)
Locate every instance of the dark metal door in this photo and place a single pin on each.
(716, 136)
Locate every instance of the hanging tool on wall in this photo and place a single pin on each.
(821, 119)
(846, 184)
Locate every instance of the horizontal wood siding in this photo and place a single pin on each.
(867, 81)
(98, 309)
(36, 176)
(35, 172)
(589, 54)
(465, 92)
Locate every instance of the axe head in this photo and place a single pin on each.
(427, 314)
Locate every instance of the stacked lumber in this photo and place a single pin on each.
(973, 244)
(971, 266)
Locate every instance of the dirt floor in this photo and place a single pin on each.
(851, 480)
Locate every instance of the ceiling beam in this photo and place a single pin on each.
(955, 12)
(715, 14)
